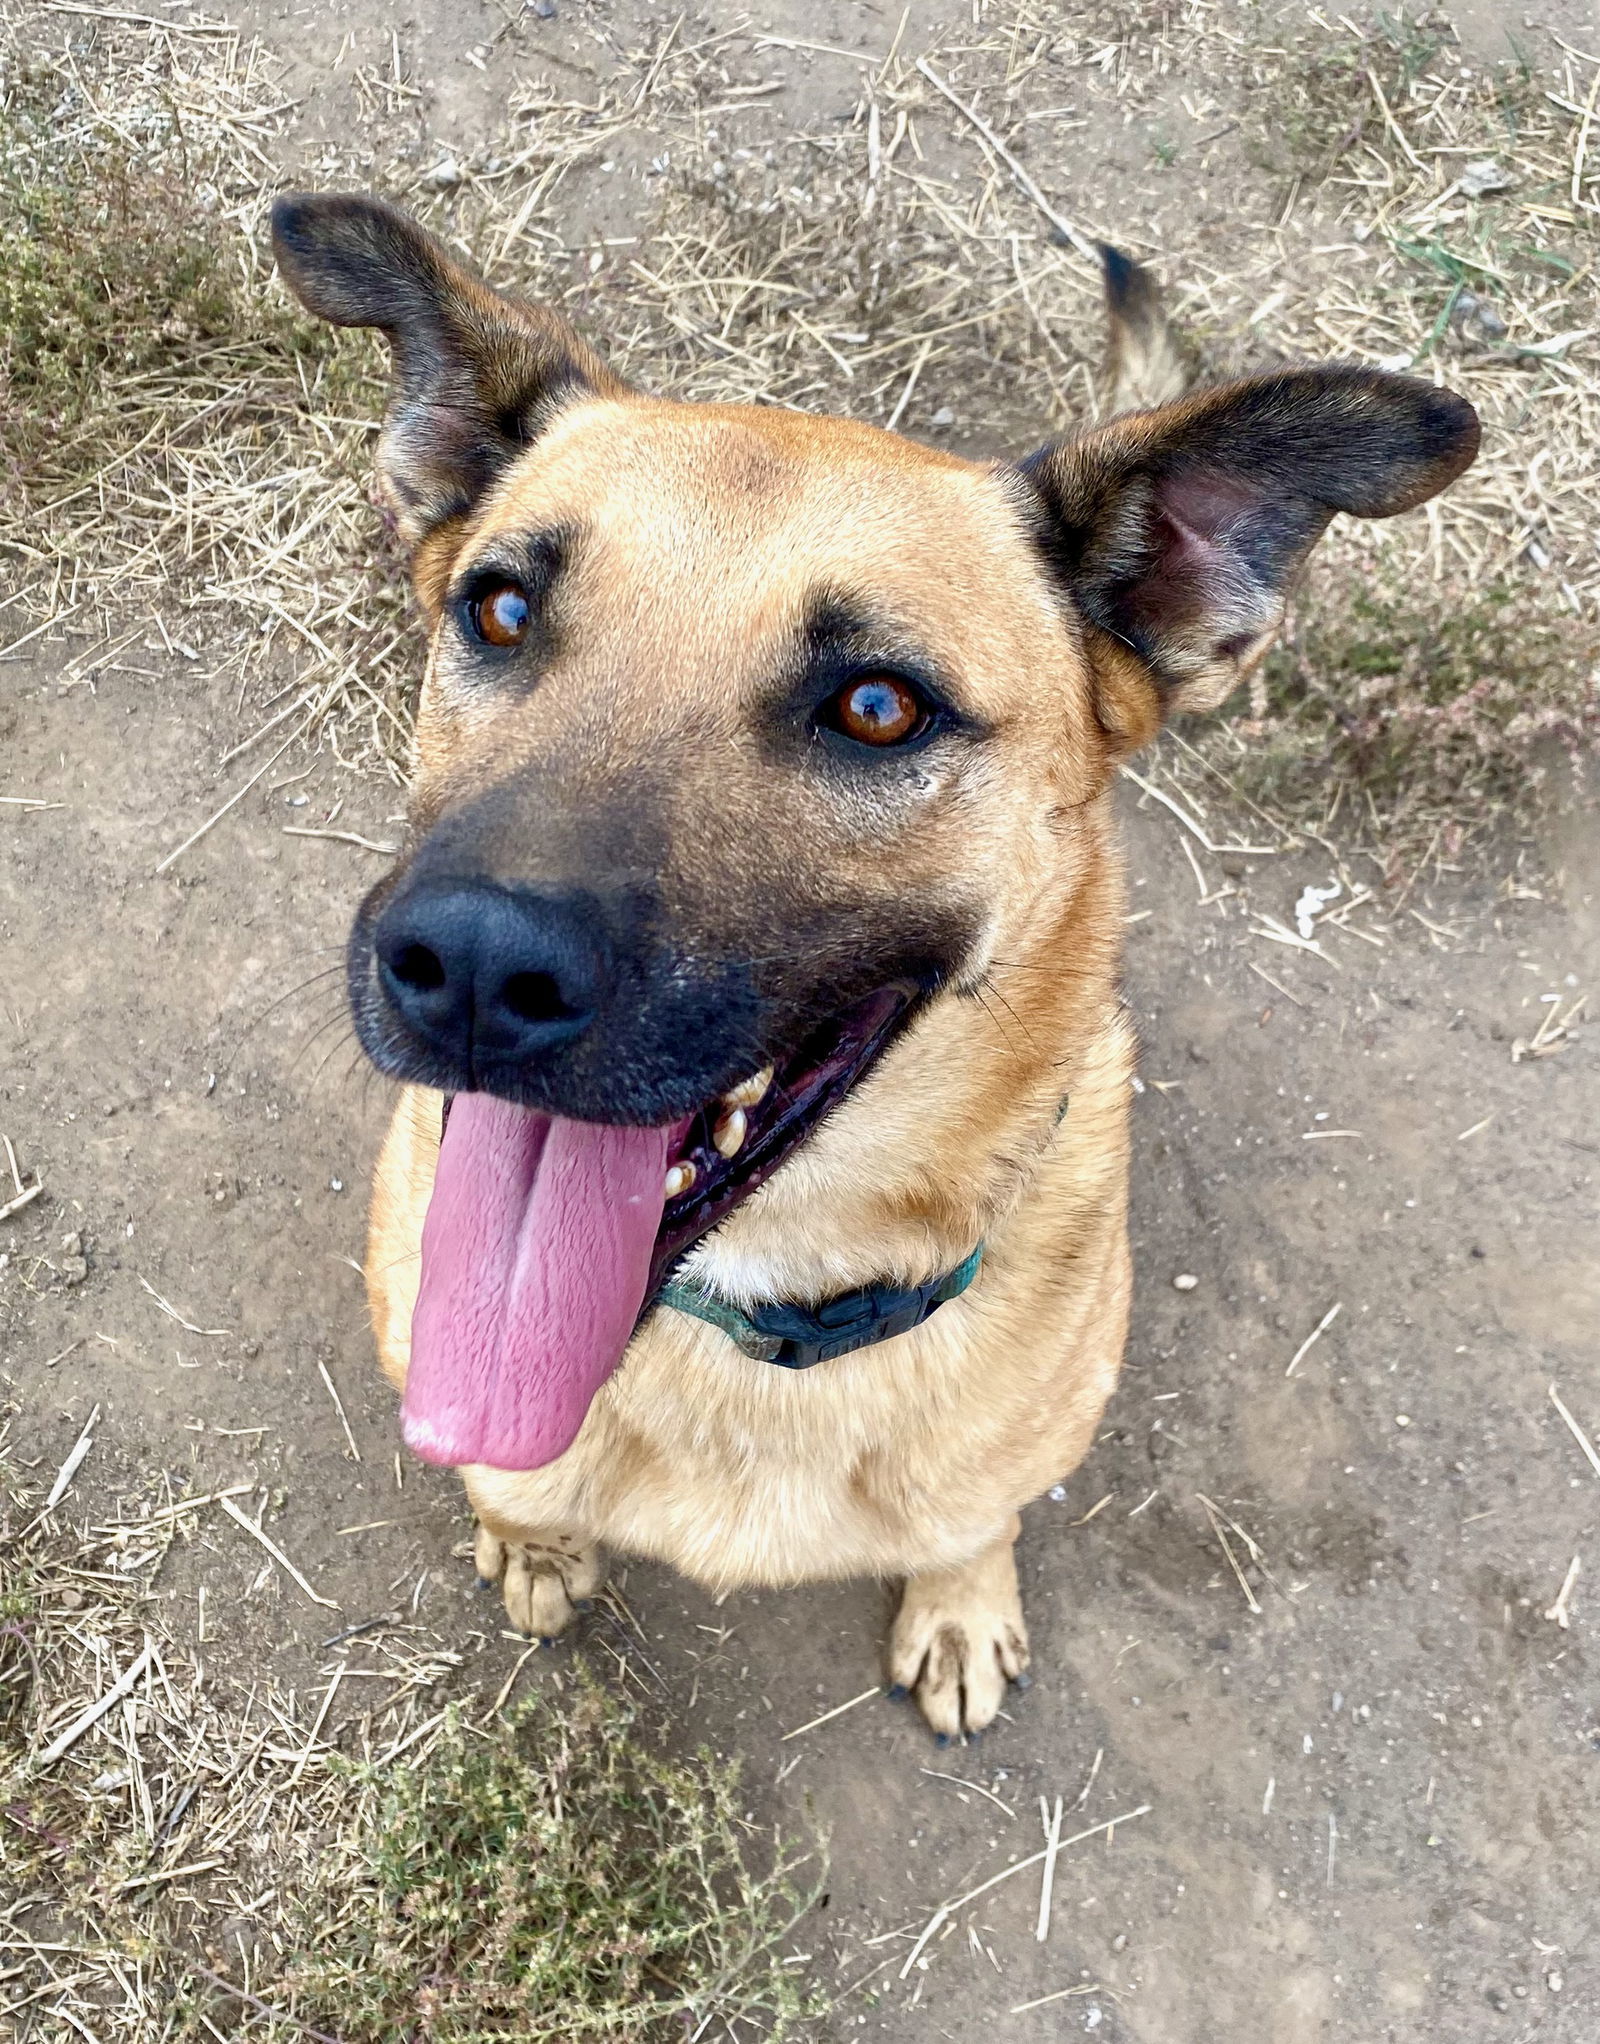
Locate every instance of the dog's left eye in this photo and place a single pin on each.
(501, 613)
(877, 709)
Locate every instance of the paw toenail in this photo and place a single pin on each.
(942, 1739)
(485, 1582)
(548, 1639)
(583, 1604)
(897, 1692)
(1022, 1681)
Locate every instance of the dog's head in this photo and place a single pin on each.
(747, 735)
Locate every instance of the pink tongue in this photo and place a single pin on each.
(535, 1256)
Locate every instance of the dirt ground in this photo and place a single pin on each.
(1372, 1775)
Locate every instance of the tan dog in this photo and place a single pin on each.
(760, 925)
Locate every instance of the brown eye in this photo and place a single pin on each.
(879, 709)
(502, 614)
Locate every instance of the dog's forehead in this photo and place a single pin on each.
(752, 498)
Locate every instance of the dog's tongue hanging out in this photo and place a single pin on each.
(535, 1257)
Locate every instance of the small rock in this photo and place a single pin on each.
(1477, 313)
(1058, 1493)
(1185, 1281)
(72, 1245)
(1120, 1942)
(1402, 1419)
(545, 9)
(445, 175)
(73, 1269)
(1489, 323)
(1554, 1982)
(1484, 175)
(943, 417)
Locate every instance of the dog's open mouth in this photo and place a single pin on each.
(735, 1143)
(545, 1238)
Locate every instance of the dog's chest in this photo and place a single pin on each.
(907, 1456)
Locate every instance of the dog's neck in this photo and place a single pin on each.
(939, 1143)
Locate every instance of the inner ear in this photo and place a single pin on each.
(477, 374)
(1199, 578)
(1178, 532)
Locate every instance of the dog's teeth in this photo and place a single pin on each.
(749, 1092)
(728, 1135)
(679, 1179)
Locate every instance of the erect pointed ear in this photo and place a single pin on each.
(476, 375)
(1177, 532)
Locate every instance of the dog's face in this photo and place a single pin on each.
(747, 734)
(741, 693)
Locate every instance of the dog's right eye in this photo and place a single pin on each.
(877, 710)
(501, 613)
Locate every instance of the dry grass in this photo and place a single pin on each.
(180, 439)
(179, 444)
(216, 1857)
(1439, 674)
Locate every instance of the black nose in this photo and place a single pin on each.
(485, 975)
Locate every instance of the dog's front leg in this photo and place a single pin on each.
(546, 1574)
(958, 1639)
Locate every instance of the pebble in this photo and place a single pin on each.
(1185, 1281)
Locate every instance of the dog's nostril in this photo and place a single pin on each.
(535, 997)
(417, 967)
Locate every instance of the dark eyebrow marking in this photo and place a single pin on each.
(841, 631)
(533, 559)
(845, 634)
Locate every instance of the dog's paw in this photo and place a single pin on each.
(957, 1640)
(545, 1581)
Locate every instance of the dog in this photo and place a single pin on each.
(756, 1199)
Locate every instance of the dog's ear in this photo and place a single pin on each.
(476, 374)
(1177, 532)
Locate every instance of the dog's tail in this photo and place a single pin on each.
(1145, 366)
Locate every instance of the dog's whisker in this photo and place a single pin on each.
(339, 1022)
(318, 980)
(1000, 997)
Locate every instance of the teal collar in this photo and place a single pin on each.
(795, 1337)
